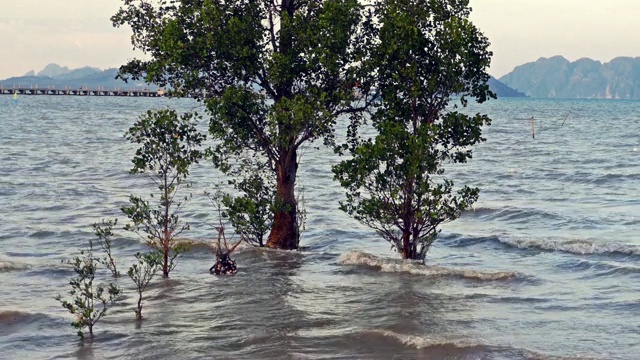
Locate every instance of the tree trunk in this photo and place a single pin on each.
(407, 251)
(165, 232)
(408, 218)
(139, 312)
(165, 265)
(284, 231)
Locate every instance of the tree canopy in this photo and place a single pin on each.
(272, 74)
(275, 75)
(428, 54)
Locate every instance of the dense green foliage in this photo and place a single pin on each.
(426, 53)
(251, 214)
(274, 75)
(89, 301)
(169, 145)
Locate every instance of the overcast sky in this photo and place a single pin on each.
(77, 33)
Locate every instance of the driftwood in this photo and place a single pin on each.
(224, 265)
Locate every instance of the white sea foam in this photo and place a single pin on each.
(581, 247)
(396, 265)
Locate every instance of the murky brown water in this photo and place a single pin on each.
(546, 266)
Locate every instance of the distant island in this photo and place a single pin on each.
(502, 90)
(557, 77)
(92, 78)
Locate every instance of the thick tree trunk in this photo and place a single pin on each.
(407, 251)
(284, 231)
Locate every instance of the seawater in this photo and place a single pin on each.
(545, 266)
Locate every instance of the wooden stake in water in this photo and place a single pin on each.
(533, 129)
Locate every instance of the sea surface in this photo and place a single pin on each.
(545, 266)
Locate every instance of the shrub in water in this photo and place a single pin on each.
(168, 147)
(141, 273)
(105, 234)
(89, 301)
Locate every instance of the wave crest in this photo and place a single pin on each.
(579, 247)
(13, 317)
(395, 265)
(7, 265)
(423, 342)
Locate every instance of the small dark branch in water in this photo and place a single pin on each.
(565, 118)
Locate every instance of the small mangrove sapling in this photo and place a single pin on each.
(169, 145)
(89, 301)
(141, 274)
(104, 232)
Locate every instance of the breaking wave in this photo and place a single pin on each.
(610, 267)
(511, 213)
(7, 265)
(396, 265)
(424, 342)
(11, 318)
(580, 247)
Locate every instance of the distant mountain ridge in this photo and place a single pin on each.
(557, 77)
(502, 90)
(62, 76)
(53, 70)
(57, 76)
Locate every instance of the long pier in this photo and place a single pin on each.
(82, 91)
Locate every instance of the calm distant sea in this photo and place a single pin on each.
(546, 265)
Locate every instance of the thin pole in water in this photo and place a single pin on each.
(533, 129)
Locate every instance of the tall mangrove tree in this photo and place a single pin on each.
(274, 76)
